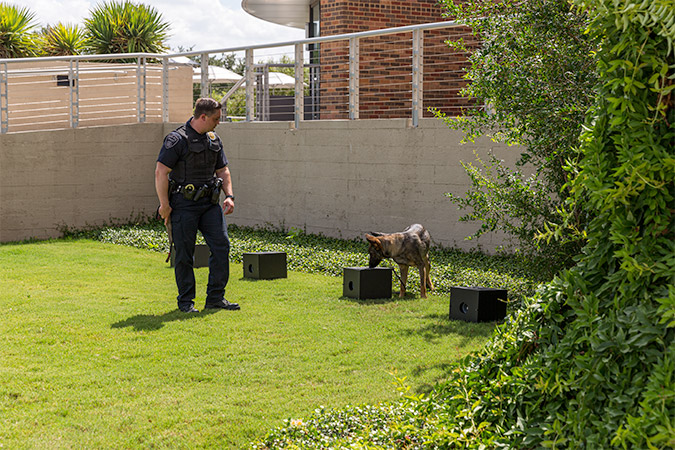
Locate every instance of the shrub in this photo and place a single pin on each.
(125, 27)
(62, 39)
(535, 73)
(17, 27)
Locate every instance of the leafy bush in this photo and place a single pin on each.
(62, 39)
(125, 27)
(17, 32)
(534, 71)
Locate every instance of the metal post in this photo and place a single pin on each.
(4, 99)
(353, 78)
(205, 75)
(165, 90)
(259, 82)
(141, 86)
(299, 86)
(264, 93)
(74, 86)
(417, 76)
(250, 80)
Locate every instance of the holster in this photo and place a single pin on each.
(215, 194)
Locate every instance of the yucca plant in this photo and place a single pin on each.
(62, 39)
(125, 27)
(17, 36)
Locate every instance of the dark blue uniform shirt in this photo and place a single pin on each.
(175, 147)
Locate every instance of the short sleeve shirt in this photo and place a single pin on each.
(175, 148)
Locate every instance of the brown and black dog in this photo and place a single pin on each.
(408, 248)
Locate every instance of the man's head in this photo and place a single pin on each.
(206, 115)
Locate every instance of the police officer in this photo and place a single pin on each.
(191, 171)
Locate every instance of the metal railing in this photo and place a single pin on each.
(394, 72)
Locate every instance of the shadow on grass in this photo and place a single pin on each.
(437, 325)
(379, 301)
(150, 322)
(373, 301)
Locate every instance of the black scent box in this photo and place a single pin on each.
(364, 282)
(265, 265)
(201, 258)
(477, 304)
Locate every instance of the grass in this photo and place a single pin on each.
(94, 353)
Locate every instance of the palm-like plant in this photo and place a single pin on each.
(125, 27)
(62, 39)
(17, 37)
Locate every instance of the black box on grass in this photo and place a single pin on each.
(477, 304)
(265, 265)
(201, 258)
(364, 282)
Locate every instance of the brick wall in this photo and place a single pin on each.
(386, 62)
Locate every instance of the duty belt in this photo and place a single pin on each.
(192, 192)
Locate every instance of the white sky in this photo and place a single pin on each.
(201, 24)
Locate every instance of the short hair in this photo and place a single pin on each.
(206, 106)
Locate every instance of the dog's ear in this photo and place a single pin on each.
(376, 233)
(374, 241)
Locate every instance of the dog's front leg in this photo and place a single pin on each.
(423, 280)
(404, 278)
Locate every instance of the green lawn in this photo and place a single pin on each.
(94, 353)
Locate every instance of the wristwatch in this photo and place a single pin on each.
(230, 196)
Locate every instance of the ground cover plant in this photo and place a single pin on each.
(320, 254)
(96, 355)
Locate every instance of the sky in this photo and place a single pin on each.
(196, 24)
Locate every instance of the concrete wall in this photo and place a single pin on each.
(75, 177)
(345, 178)
(339, 178)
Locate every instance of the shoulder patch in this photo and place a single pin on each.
(171, 140)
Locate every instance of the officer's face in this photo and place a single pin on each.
(212, 121)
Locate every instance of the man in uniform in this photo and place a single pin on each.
(191, 171)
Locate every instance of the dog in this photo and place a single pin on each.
(408, 248)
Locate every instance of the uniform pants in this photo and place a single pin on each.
(187, 217)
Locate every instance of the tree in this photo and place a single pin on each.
(17, 27)
(125, 27)
(535, 73)
(62, 39)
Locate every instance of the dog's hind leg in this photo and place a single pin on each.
(428, 280)
(404, 278)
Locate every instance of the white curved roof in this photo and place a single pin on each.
(292, 13)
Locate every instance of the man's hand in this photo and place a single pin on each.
(162, 188)
(165, 213)
(228, 206)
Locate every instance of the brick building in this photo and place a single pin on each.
(385, 62)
